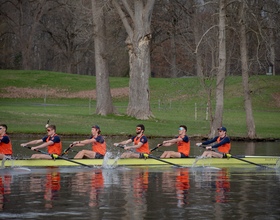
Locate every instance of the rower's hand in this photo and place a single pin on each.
(34, 148)
(208, 148)
(198, 144)
(75, 143)
(71, 145)
(23, 145)
(159, 145)
(120, 145)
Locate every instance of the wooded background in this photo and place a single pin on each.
(57, 35)
(143, 39)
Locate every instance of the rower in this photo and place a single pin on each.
(98, 145)
(51, 141)
(140, 144)
(5, 143)
(183, 144)
(222, 144)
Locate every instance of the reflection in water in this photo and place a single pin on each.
(219, 181)
(222, 186)
(137, 193)
(97, 184)
(136, 186)
(5, 189)
(250, 148)
(182, 186)
(52, 188)
(48, 184)
(89, 184)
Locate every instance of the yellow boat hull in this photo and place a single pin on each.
(186, 162)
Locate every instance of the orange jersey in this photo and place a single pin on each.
(6, 146)
(145, 147)
(182, 180)
(99, 146)
(56, 147)
(184, 146)
(225, 148)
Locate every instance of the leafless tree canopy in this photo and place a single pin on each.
(57, 35)
(211, 39)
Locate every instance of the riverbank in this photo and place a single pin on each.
(196, 138)
(66, 100)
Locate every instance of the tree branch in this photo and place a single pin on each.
(203, 37)
(128, 9)
(124, 19)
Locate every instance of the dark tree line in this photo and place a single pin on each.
(57, 35)
(143, 38)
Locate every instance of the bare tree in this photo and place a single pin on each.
(245, 72)
(69, 32)
(136, 17)
(104, 103)
(23, 19)
(221, 74)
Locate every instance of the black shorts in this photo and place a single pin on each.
(183, 155)
(224, 155)
(99, 156)
(141, 155)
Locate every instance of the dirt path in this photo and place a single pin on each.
(14, 92)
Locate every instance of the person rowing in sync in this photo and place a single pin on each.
(98, 145)
(6, 149)
(183, 143)
(140, 144)
(51, 141)
(223, 145)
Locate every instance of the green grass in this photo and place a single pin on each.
(172, 101)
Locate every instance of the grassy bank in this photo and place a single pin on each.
(173, 102)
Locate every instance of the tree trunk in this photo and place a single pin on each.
(220, 84)
(139, 105)
(173, 55)
(104, 103)
(251, 130)
(138, 41)
(27, 35)
(272, 57)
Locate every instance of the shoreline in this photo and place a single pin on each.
(194, 137)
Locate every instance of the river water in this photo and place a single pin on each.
(142, 192)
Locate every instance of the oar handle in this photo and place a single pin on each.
(155, 148)
(29, 148)
(121, 146)
(204, 146)
(66, 150)
(48, 121)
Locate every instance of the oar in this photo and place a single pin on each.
(246, 161)
(48, 121)
(150, 156)
(66, 150)
(156, 147)
(238, 158)
(164, 161)
(55, 156)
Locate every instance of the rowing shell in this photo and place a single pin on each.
(187, 162)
